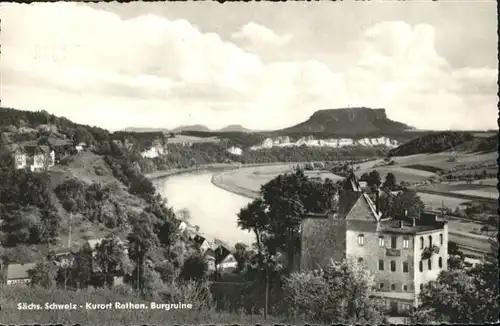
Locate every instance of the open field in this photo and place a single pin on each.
(420, 167)
(440, 160)
(463, 189)
(486, 192)
(181, 139)
(434, 201)
(470, 244)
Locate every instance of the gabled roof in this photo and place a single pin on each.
(221, 252)
(56, 142)
(198, 239)
(93, 243)
(347, 199)
(363, 200)
(19, 271)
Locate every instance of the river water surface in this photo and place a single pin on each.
(212, 209)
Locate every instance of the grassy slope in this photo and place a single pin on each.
(12, 295)
(82, 168)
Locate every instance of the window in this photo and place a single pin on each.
(381, 286)
(361, 240)
(429, 264)
(405, 287)
(394, 240)
(406, 243)
(405, 267)
(421, 242)
(393, 265)
(440, 262)
(393, 287)
(421, 287)
(360, 260)
(380, 265)
(381, 241)
(430, 241)
(440, 239)
(421, 266)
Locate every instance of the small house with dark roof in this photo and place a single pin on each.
(201, 243)
(401, 253)
(61, 147)
(17, 274)
(224, 259)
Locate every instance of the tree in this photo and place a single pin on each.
(463, 296)
(390, 181)
(374, 179)
(81, 271)
(409, 201)
(109, 257)
(342, 293)
(386, 203)
(455, 257)
(194, 268)
(284, 197)
(44, 274)
(242, 255)
(50, 223)
(141, 239)
(254, 218)
(364, 177)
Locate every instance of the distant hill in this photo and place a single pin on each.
(234, 128)
(349, 121)
(191, 128)
(433, 143)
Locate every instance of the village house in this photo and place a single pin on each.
(20, 158)
(201, 243)
(40, 158)
(401, 253)
(225, 260)
(80, 147)
(210, 259)
(17, 274)
(61, 147)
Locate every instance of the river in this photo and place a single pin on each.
(212, 209)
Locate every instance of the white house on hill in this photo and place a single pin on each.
(18, 273)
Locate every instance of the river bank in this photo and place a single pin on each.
(218, 181)
(208, 168)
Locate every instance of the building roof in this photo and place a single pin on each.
(394, 226)
(93, 243)
(56, 142)
(221, 252)
(199, 239)
(19, 271)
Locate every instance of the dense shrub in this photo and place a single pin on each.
(342, 293)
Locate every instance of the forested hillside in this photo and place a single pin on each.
(432, 143)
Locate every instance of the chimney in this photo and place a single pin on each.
(377, 201)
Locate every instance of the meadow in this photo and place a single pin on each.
(434, 201)
(11, 295)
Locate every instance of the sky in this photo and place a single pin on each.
(263, 65)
